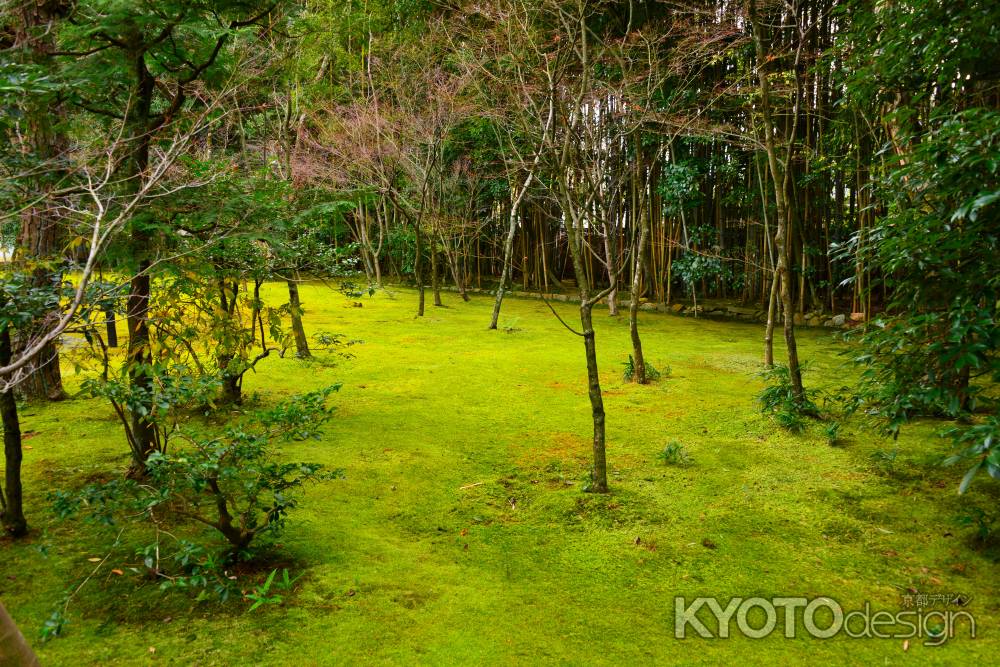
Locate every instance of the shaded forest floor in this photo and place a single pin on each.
(460, 533)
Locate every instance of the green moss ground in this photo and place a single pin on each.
(461, 535)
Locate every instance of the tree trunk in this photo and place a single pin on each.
(139, 356)
(45, 378)
(298, 331)
(435, 283)
(599, 474)
(780, 178)
(111, 326)
(609, 257)
(451, 254)
(508, 251)
(772, 300)
(139, 360)
(638, 361)
(41, 233)
(418, 266)
(232, 389)
(14, 650)
(770, 260)
(232, 385)
(12, 516)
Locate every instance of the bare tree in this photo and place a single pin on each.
(393, 141)
(567, 131)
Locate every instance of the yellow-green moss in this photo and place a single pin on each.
(460, 534)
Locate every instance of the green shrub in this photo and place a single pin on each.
(234, 483)
(651, 372)
(674, 454)
(779, 399)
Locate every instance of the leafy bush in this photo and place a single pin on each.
(934, 351)
(170, 391)
(674, 454)
(234, 483)
(886, 459)
(651, 372)
(262, 594)
(980, 443)
(778, 398)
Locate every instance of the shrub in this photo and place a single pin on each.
(674, 454)
(651, 372)
(779, 399)
(170, 391)
(980, 444)
(234, 483)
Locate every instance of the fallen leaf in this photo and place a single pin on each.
(117, 571)
(94, 560)
(906, 644)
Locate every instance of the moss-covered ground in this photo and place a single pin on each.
(461, 534)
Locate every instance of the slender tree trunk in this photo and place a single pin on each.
(609, 255)
(418, 269)
(451, 255)
(232, 389)
(769, 258)
(781, 236)
(12, 516)
(508, 251)
(599, 472)
(599, 475)
(435, 282)
(298, 331)
(638, 361)
(772, 302)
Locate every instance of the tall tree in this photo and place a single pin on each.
(781, 175)
(34, 25)
(147, 61)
